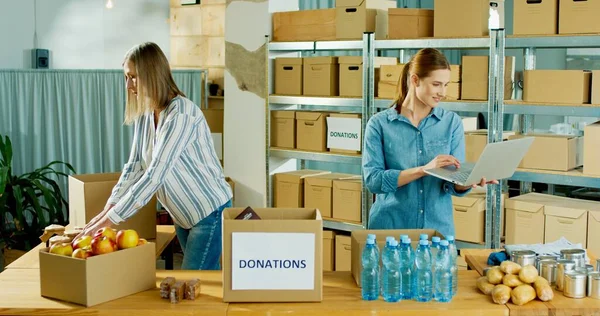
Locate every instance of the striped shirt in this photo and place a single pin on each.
(177, 162)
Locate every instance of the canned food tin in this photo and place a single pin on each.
(598, 265)
(548, 270)
(523, 257)
(575, 284)
(590, 284)
(589, 267)
(562, 267)
(577, 255)
(581, 270)
(544, 257)
(595, 288)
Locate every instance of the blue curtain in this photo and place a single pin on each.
(75, 116)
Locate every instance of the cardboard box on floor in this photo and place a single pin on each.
(304, 25)
(283, 129)
(355, 17)
(535, 17)
(288, 76)
(343, 253)
(475, 142)
(553, 152)
(359, 238)
(557, 86)
(287, 241)
(576, 17)
(318, 192)
(409, 23)
(289, 187)
(321, 76)
(469, 216)
(328, 250)
(311, 129)
(475, 77)
(473, 21)
(347, 200)
(88, 194)
(100, 278)
(591, 150)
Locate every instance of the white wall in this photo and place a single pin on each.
(80, 33)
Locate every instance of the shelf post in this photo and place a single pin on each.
(526, 120)
(368, 110)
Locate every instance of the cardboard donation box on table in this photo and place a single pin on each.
(359, 239)
(272, 255)
(88, 194)
(99, 278)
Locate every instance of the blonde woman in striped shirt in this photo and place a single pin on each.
(173, 157)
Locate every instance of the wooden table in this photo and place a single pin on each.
(31, 260)
(20, 295)
(560, 305)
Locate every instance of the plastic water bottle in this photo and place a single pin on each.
(443, 274)
(391, 273)
(370, 271)
(372, 236)
(423, 237)
(454, 254)
(435, 246)
(402, 237)
(406, 269)
(424, 277)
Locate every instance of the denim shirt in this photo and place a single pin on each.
(392, 144)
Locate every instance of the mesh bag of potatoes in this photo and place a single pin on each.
(520, 285)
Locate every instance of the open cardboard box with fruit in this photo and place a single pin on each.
(93, 270)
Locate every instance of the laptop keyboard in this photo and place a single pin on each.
(460, 176)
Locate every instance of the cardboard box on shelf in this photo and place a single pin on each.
(568, 218)
(343, 253)
(379, 61)
(344, 136)
(475, 142)
(328, 250)
(576, 17)
(525, 218)
(351, 74)
(595, 87)
(537, 17)
(288, 76)
(455, 73)
(283, 129)
(469, 216)
(289, 187)
(389, 75)
(321, 76)
(318, 192)
(473, 22)
(557, 86)
(311, 128)
(475, 77)
(553, 152)
(453, 91)
(88, 194)
(100, 278)
(304, 25)
(355, 17)
(591, 150)
(409, 23)
(359, 238)
(469, 123)
(347, 200)
(248, 244)
(593, 231)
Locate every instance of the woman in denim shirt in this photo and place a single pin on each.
(412, 136)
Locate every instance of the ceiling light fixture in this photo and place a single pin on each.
(109, 4)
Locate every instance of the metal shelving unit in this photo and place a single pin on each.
(315, 156)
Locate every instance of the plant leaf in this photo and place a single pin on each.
(19, 219)
(36, 207)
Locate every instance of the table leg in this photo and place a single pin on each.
(168, 254)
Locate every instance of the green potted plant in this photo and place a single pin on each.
(28, 203)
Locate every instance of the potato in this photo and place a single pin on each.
(511, 280)
(484, 286)
(522, 294)
(495, 276)
(510, 267)
(501, 294)
(543, 289)
(528, 274)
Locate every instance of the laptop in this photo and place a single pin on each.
(498, 161)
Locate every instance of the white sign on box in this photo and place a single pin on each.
(272, 261)
(344, 133)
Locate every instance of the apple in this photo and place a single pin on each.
(82, 242)
(127, 238)
(142, 241)
(82, 253)
(102, 244)
(64, 249)
(108, 232)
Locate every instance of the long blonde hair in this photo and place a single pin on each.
(421, 64)
(155, 84)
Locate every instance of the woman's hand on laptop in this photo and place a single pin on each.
(442, 161)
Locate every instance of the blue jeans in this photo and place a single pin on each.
(201, 244)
